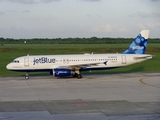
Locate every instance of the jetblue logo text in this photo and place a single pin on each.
(138, 47)
(43, 60)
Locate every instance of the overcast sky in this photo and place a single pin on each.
(78, 18)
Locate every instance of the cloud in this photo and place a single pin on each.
(91, 0)
(2, 13)
(47, 1)
(103, 28)
(12, 11)
(141, 26)
(155, 0)
(26, 11)
(154, 26)
(31, 1)
(41, 18)
(109, 28)
(23, 1)
(145, 15)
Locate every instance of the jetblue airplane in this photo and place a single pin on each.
(72, 65)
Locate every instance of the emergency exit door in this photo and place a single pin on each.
(123, 59)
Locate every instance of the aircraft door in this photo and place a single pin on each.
(123, 59)
(26, 61)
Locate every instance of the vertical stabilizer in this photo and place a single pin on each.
(138, 46)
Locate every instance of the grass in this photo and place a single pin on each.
(8, 52)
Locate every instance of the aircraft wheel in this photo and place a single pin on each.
(26, 77)
(74, 75)
(79, 76)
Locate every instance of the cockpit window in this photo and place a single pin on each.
(15, 61)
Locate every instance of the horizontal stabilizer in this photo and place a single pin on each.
(144, 57)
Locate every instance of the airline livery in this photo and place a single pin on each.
(72, 65)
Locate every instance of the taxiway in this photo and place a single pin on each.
(104, 97)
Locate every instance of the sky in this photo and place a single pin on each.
(78, 18)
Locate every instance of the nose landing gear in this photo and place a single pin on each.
(27, 76)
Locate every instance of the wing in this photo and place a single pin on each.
(79, 66)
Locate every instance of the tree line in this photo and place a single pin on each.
(92, 40)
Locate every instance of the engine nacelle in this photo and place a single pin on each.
(61, 72)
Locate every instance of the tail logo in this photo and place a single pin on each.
(138, 48)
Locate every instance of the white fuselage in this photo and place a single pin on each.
(84, 61)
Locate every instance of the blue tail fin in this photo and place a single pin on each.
(138, 46)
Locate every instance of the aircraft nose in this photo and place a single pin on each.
(8, 66)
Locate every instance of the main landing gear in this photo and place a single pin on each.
(77, 74)
(27, 76)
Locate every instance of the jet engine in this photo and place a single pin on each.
(61, 72)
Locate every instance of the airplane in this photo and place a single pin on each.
(72, 65)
